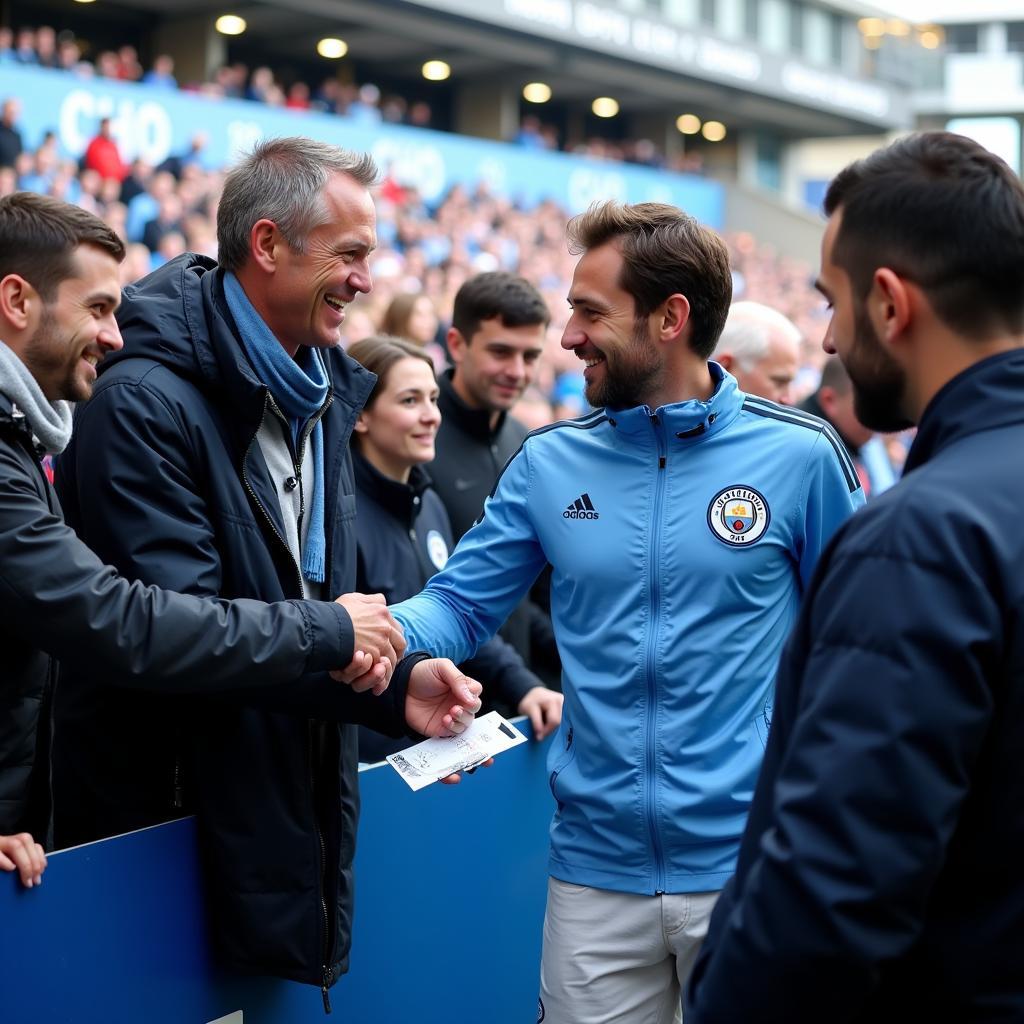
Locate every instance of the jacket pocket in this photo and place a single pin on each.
(763, 721)
(564, 758)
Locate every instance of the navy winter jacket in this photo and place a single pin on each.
(881, 874)
(165, 480)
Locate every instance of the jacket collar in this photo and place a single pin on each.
(179, 316)
(475, 422)
(403, 501)
(686, 422)
(985, 396)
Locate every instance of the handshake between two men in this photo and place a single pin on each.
(440, 700)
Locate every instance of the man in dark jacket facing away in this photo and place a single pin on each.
(880, 874)
(58, 292)
(214, 458)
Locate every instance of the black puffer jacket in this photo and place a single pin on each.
(58, 600)
(166, 480)
(879, 880)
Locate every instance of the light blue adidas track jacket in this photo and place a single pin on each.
(681, 542)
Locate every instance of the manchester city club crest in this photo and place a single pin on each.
(437, 549)
(739, 516)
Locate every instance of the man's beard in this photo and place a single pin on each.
(631, 374)
(879, 383)
(49, 359)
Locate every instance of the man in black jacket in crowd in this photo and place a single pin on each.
(879, 878)
(213, 458)
(499, 322)
(58, 292)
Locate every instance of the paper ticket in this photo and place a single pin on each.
(433, 759)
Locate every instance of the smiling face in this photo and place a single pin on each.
(497, 364)
(623, 366)
(305, 303)
(76, 329)
(879, 382)
(397, 431)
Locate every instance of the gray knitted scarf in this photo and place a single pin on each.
(49, 421)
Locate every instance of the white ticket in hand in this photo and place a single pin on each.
(433, 759)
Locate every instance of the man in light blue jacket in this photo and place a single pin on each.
(683, 520)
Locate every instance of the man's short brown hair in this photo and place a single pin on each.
(664, 251)
(39, 235)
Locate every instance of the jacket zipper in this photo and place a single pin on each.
(326, 971)
(256, 501)
(303, 438)
(327, 974)
(652, 669)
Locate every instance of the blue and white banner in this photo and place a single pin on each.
(156, 123)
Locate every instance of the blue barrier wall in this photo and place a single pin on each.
(450, 892)
(155, 123)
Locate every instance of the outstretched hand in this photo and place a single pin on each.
(440, 700)
(375, 631)
(362, 674)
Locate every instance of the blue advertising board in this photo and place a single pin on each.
(155, 123)
(450, 890)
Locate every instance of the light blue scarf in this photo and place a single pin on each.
(300, 391)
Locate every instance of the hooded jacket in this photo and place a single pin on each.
(166, 480)
(879, 879)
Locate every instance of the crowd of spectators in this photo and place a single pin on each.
(365, 103)
(424, 250)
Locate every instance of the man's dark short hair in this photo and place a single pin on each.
(664, 251)
(39, 235)
(498, 294)
(945, 213)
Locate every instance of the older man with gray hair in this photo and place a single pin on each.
(761, 349)
(214, 459)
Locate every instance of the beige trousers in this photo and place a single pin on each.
(618, 958)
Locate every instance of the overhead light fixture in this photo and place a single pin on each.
(536, 92)
(930, 38)
(230, 25)
(436, 71)
(713, 131)
(331, 48)
(896, 27)
(605, 106)
(84, 1)
(688, 124)
(871, 26)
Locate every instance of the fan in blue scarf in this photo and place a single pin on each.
(299, 387)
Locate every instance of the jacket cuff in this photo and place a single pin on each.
(331, 636)
(400, 686)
